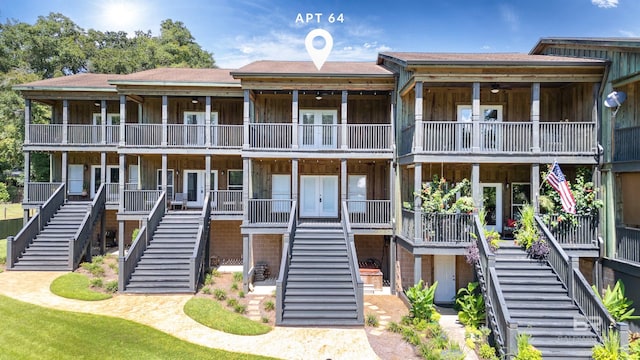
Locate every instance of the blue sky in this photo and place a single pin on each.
(240, 31)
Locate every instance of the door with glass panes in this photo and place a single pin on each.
(318, 129)
(319, 196)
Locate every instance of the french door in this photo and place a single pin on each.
(492, 204)
(113, 177)
(318, 129)
(319, 196)
(194, 186)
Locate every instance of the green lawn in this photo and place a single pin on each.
(3, 252)
(76, 286)
(13, 211)
(212, 314)
(33, 332)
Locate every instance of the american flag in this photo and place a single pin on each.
(557, 181)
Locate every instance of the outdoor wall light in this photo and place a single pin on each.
(495, 89)
(194, 100)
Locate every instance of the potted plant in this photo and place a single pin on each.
(527, 235)
(85, 189)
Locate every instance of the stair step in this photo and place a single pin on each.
(165, 284)
(327, 247)
(528, 281)
(565, 305)
(321, 292)
(320, 272)
(542, 314)
(539, 333)
(145, 271)
(330, 253)
(319, 278)
(517, 288)
(318, 314)
(318, 285)
(317, 265)
(159, 277)
(536, 296)
(292, 298)
(290, 307)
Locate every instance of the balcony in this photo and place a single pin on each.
(226, 202)
(39, 192)
(54, 134)
(448, 230)
(269, 211)
(626, 140)
(628, 244)
(369, 213)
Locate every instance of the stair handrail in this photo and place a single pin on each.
(567, 268)
(197, 260)
(80, 243)
(353, 262)
(287, 243)
(17, 244)
(139, 246)
(505, 328)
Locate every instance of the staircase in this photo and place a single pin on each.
(49, 251)
(539, 303)
(319, 288)
(164, 266)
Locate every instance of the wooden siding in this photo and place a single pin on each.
(81, 112)
(229, 110)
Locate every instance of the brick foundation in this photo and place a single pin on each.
(372, 247)
(226, 239)
(268, 248)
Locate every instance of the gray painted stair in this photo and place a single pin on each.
(164, 266)
(49, 251)
(319, 288)
(541, 306)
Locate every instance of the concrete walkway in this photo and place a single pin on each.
(165, 314)
(455, 331)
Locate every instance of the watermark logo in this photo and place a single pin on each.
(319, 55)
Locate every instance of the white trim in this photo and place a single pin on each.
(72, 183)
(315, 135)
(282, 183)
(312, 192)
(499, 205)
(234, 187)
(355, 194)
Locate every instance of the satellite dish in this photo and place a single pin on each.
(615, 99)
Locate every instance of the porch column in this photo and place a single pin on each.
(609, 217)
(392, 195)
(475, 117)
(101, 234)
(343, 181)
(27, 175)
(535, 186)
(294, 120)
(165, 173)
(27, 120)
(417, 204)
(294, 179)
(103, 167)
(535, 117)
(65, 121)
(123, 120)
(207, 177)
(165, 118)
(103, 125)
(419, 136)
(417, 268)
(246, 261)
(207, 120)
(121, 180)
(246, 118)
(246, 165)
(121, 239)
(476, 192)
(64, 171)
(392, 264)
(392, 116)
(343, 121)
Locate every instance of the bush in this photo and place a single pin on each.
(215, 273)
(234, 286)
(471, 305)
(539, 249)
(208, 280)
(372, 320)
(94, 268)
(232, 302)
(96, 282)
(269, 305)
(487, 352)
(526, 351)
(4, 194)
(134, 234)
(421, 299)
(111, 286)
(610, 348)
(237, 277)
(616, 303)
(239, 308)
(265, 319)
(241, 294)
(219, 294)
(206, 290)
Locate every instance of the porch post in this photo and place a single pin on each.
(343, 180)
(246, 118)
(294, 179)
(343, 121)
(165, 120)
(417, 204)
(27, 120)
(101, 234)
(246, 265)
(475, 117)
(417, 268)
(476, 193)
(207, 177)
(294, 119)
(419, 136)
(535, 117)
(392, 264)
(27, 176)
(165, 174)
(65, 121)
(246, 164)
(64, 172)
(609, 193)
(103, 116)
(121, 239)
(535, 186)
(123, 119)
(121, 180)
(103, 167)
(207, 121)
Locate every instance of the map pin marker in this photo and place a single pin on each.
(319, 56)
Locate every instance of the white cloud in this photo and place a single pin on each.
(606, 4)
(510, 17)
(626, 33)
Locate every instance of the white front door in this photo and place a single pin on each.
(193, 187)
(193, 129)
(113, 176)
(319, 196)
(318, 129)
(492, 204)
(444, 272)
(281, 190)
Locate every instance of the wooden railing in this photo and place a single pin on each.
(567, 268)
(139, 246)
(113, 134)
(269, 211)
(287, 244)
(17, 244)
(356, 280)
(226, 136)
(270, 135)
(319, 136)
(408, 223)
(511, 137)
(45, 134)
(226, 202)
(80, 244)
(369, 136)
(39, 192)
(626, 144)
(84, 134)
(186, 135)
(582, 232)
(568, 137)
(628, 244)
(446, 136)
(369, 212)
(77, 134)
(112, 191)
(140, 200)
(447, 228)
(197, 261)
(143, 134)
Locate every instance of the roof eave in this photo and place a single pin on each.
(239, 75)
(174, 83)
(63, 88)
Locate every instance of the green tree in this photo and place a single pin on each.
(179, 49)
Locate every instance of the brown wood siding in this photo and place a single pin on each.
(81, 112)
(630, 192)
(229, 110)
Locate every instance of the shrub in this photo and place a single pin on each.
(215, 273)
(206, 290)
(394, 327)
(421, 299)
(98, 260)
(473, 253)
(219, 294)
(269, 305)
(96, 282)
(4, 194)
(208, 280)
(616, 303)
(241, 294)
(526, 351)
(94, 268)
(471, 305)
(232, 302)
(239, 308)
(234, 286)
(372, 320)
(134, 234)
(111, 286)
(539, 249)
(487, 352)
(265, 319)
(237, 276)
(527, 231)
(610, 348)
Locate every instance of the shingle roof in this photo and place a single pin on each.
(179, 75)
(417, 58)
(307, 68)
(78, 81)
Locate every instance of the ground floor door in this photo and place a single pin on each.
(492, 203)
(444, 272)
(193, 187)
(319, 196)
(113, 177)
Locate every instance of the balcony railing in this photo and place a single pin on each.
(143, 134)
(269, 211)
(369, 137)
(568, 233)
(140, 200)
(511, 137)
(408, 223)
(369, 212)
(226, 136)
(626, 144)
(628, 244)
(447, 228)
(186, 135)
(38, 192)
(319, 136)
(113, 134)
(270, 135)
(446, 136)
(568, 137)
(227, 202)
(45, 134)
(112, 193)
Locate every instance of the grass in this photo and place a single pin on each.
(33, 332)
(76, 286)
(3, 251)
(212, 314)
(13, 211)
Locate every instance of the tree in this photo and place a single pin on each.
(179, 49)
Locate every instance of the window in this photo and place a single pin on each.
(132, 182)
(281, 190)
(490, 136)
(520, 196)
(318, 128)
(194, 132)
(169, 182)
(112, 119)
(76, 179)
(357, 193)
(234, 180)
